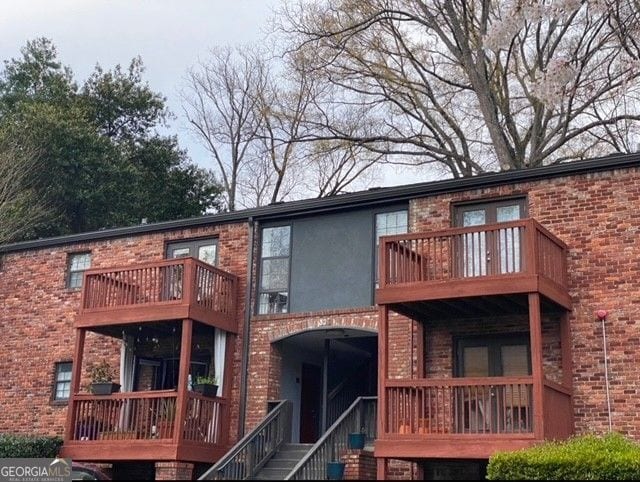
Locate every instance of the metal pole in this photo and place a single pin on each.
(325, 383)
(606, 371)
(246, 332)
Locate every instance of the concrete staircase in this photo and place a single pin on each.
(285, 459)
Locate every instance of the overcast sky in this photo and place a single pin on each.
(169, 35)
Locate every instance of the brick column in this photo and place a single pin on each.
(359, 465)
(174, 471)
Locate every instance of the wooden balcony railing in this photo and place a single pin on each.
(522, 246)
(481, 406)
(205, 420)
(132, 415)
(170, 283)
(139, 416)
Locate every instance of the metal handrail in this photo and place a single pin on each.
(343, 395)
(360, 416)
(247, 457)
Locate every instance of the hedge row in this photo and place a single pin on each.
(587, 457)
(24, 446)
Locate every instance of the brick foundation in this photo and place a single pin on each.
(359, 465)
(401, 470)
(174, 471)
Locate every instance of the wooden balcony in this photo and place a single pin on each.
(473, 271)
(157, 425)
(161, 290)
(469, 417)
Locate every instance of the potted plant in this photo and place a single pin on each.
(335, 466)
(335, 470)
(102, 379)
(206, 385)
(357, 439)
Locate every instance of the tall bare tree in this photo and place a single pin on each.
(220, 104)
(21, 207)
(262, 119)
(478, 84)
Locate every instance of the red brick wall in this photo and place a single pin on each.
(598, 216)
(440, 339)
(37, 313)
(402, 339)
(174, 471)
(401, 470)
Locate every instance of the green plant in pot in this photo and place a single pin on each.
(206, 385)
(102, 376)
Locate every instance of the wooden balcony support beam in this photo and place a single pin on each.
(183, 378)
(76, 376)
(537, 367)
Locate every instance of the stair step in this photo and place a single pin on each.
(290, 446)
(283, 461)
(295, 446)
(272, 474)
(281, 464)
(290, 454)
(293, 451)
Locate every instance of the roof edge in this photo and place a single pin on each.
(345, 201)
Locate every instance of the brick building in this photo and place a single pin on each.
(472, 320)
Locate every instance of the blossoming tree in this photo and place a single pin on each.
(474, 85)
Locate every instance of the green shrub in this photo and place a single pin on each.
(587, 457)
(19, 446)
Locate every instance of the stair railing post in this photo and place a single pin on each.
(288, 422)
(250, 463)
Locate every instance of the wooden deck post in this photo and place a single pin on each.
(76, 375)
(537, 369)
(183, 376)
(189, 281)
(225, 415)
(383, 370)
(530, 248)
(381, 468)
(567, 359)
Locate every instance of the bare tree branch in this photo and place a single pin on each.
(476, 84)
(21, 209)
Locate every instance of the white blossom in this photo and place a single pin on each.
(549, 89)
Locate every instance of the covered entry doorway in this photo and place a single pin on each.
(322, 372)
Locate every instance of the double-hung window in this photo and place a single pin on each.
(273, 296)
(62, 382)
(77, 264)
(387, 224)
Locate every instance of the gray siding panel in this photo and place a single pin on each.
(331, 262)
